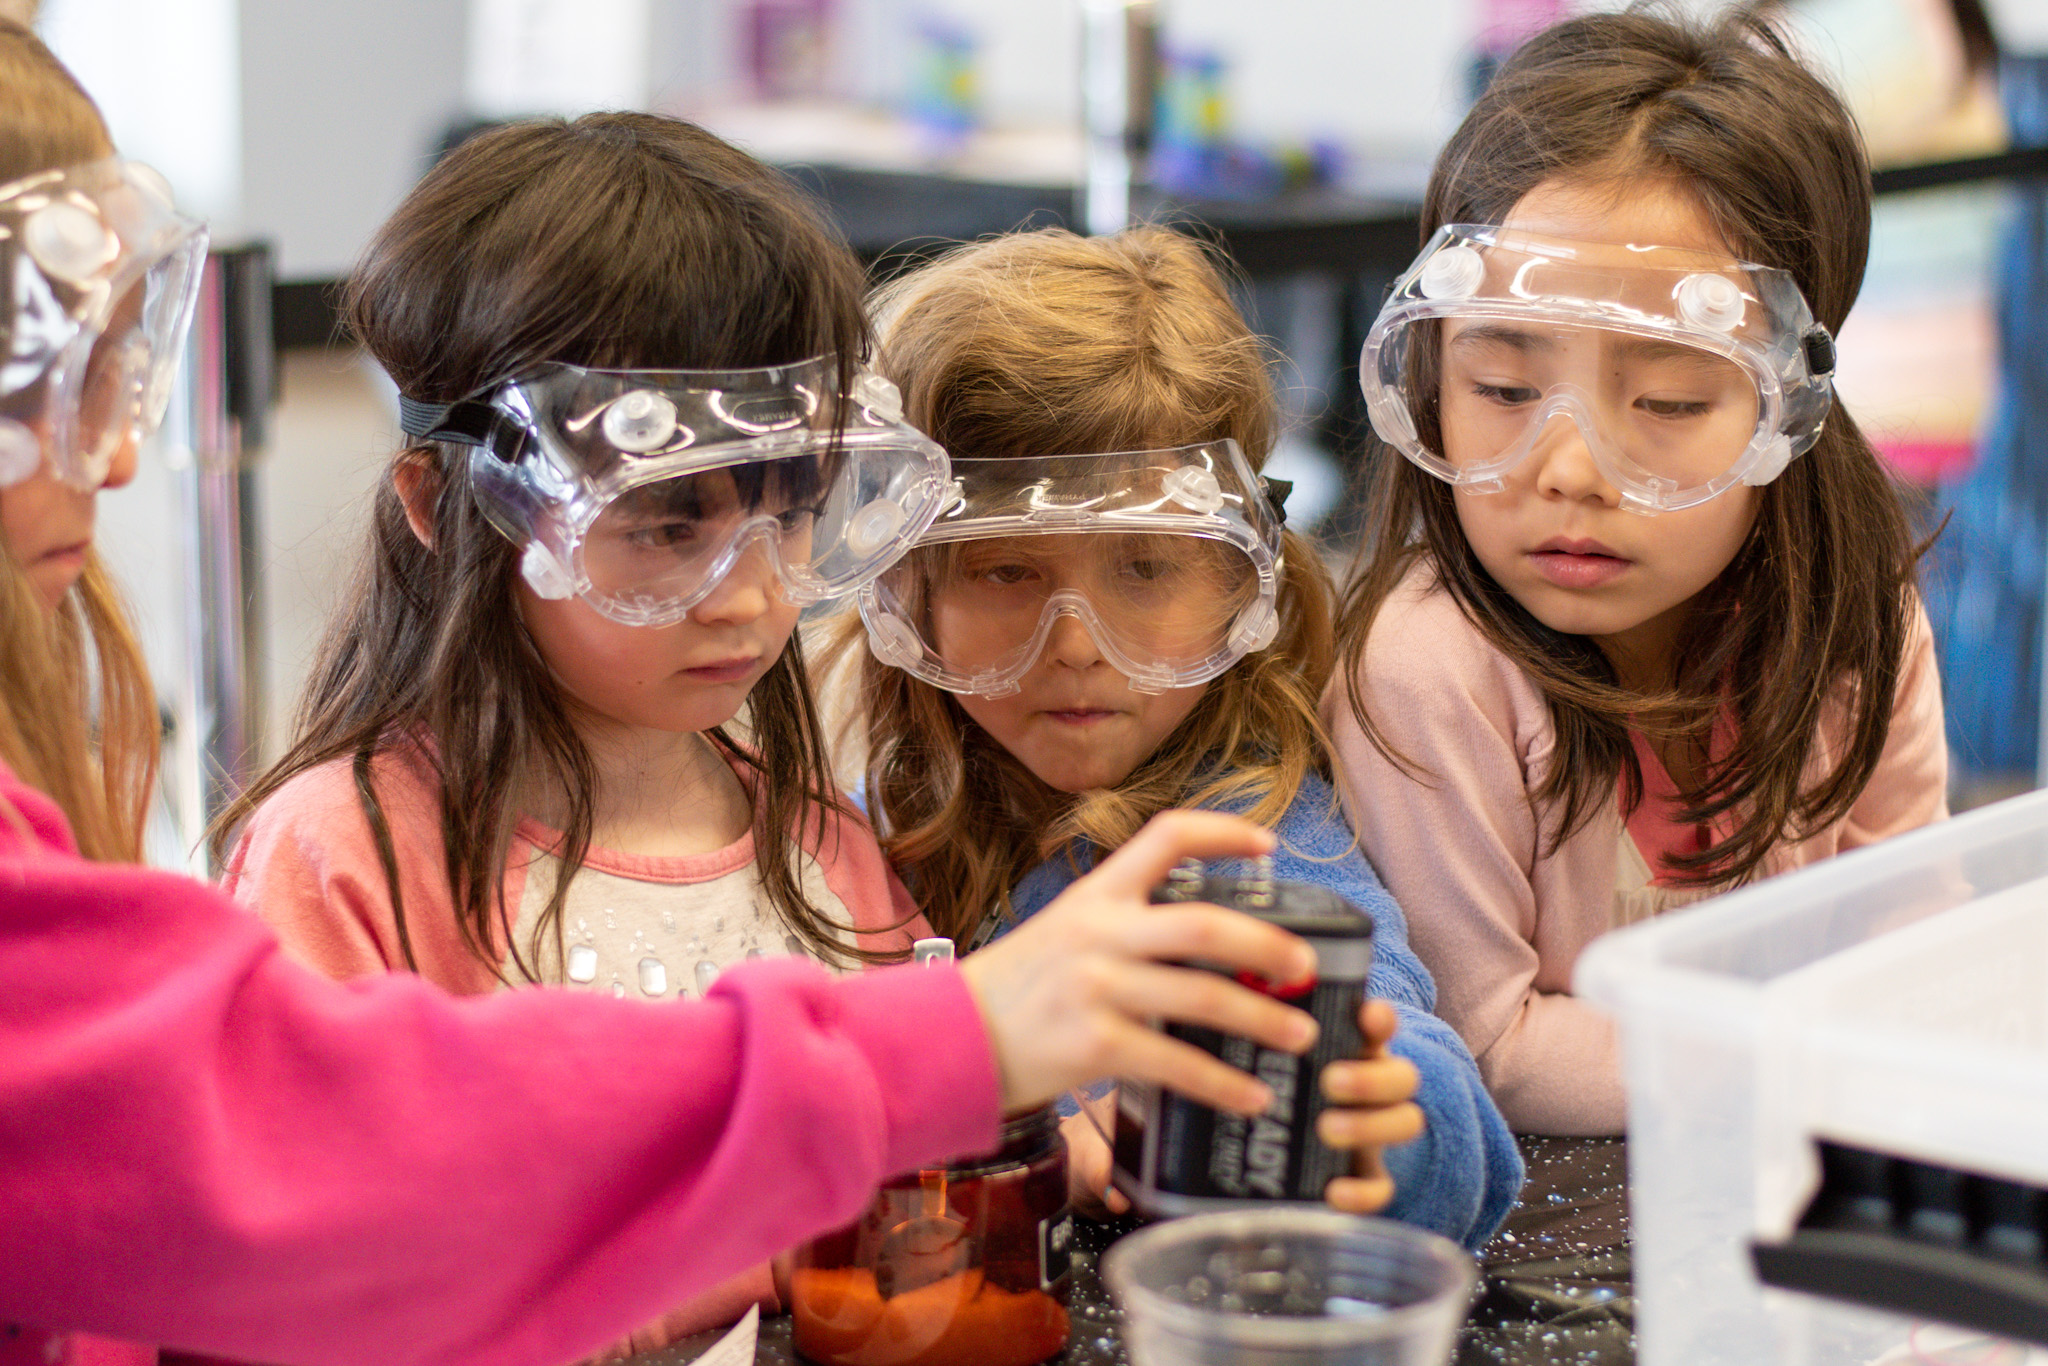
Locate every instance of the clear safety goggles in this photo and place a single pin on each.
(639, 490)
(1684, 373)
(101, 273)
(1169, 559)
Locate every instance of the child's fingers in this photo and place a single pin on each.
(1105, 1197)
(1377, 1021)
(1378, 1081)
(1360, 1194)
(1088, 1161)
(1173, 837)
(1152, 1056)
(1197, 933)
(1065, 996)
(1189, 996)
(1378, 1127)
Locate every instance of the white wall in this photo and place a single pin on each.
(1378, 73)
(338, 102)
(163, 73)
(2022, 24)
(342, 101)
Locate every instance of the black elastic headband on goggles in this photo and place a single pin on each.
(1276, 491)
(466, 422)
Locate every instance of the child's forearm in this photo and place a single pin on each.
(257, 1162)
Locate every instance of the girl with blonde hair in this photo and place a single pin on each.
(77, 715)
(1110, 618)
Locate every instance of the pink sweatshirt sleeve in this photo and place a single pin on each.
(307, 863)
(1459, 845)
(210, 1147)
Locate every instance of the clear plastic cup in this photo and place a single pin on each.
(1288, 1287)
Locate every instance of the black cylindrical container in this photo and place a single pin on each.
(1176, 1156)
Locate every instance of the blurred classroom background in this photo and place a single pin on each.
(1297, 133)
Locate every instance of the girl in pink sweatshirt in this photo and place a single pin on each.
(1637, 620)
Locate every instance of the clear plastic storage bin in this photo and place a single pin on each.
(1894, 999)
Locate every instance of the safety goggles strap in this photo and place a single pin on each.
(1819, 348)
(465, 422)
(1276, 491)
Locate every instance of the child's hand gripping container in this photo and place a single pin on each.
(1879, 1020)
(1175, 1156)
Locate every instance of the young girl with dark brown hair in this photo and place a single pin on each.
(561, 732)
(1636, 620)
(1110, 618)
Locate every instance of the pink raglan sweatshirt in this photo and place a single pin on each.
(1499, 922)
(307, 863)
(204, 1144)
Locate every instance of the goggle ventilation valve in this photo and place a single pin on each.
(640, 422)
(68, 242)
(878, 395)
(875, 526)
(1256, 629)
(1453, 273)
(1771, 463)
(1195, 489)
(1152, 681)
(1713, 302)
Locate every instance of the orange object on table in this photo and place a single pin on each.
(965, 1265)
(963, 1320)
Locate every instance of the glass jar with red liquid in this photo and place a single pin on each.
(965, 1265)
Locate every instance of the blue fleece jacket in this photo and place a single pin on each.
(1463, 1174)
